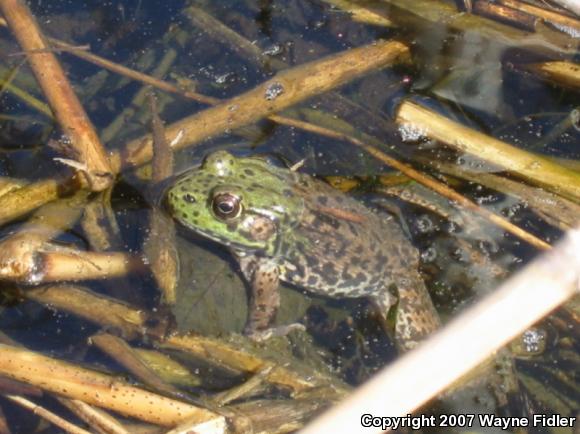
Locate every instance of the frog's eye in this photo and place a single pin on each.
(226, 206)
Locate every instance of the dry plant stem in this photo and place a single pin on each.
(241, 360)
(169, 370)
(135, 75)
(251, 52)
(18, 252)
(571, 5)
(160, 248)
(68, 110)
(256, 382)
(4, 428)
(96, 308)
(556, 210)
(545, 14)
(275, 416)
(9, 184)
(218, 31)
(524, 299)
(123, 354)
(533, 168)
(81, 265)
(438, 12)
(423, 179)
(96, 418)
(28, 99)
(48, 415)
(286, 88)
(12, 387)
(92, 387)
(21, 201)
(360, 13)
(162, 155)
(507, 15)
(563, 73)
(140, 98)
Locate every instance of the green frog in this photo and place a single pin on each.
(283, 225)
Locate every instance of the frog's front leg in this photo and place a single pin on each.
(263, 276)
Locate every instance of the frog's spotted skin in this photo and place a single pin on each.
(288, 226)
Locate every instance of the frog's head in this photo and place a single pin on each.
(245, 203)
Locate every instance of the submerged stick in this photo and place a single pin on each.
(283, 90)
(92, 387)
(107, 312)
(19, 202)
(534, 168)
(464, 343)
(160, 246)
(47, 415)
(85, 143)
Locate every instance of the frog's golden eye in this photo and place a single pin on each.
(226, 206)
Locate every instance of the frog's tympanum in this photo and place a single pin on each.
(284, 225)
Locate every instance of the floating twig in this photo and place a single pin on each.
(534, 168)
(283, 90)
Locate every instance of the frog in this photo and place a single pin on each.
(282, 225)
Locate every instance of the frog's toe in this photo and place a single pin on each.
(263, 335)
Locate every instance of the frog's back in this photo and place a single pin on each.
(341, 248)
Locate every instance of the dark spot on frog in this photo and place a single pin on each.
(312, 280)
(322, 200)
(249, 172)
(359, 249)
(287, 192)
(189, 198)
(195, 213)
(328, 269)
(345, 275)
(322, 219)
(312, 261)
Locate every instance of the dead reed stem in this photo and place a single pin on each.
(86, 147)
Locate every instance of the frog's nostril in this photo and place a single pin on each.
(189, 198)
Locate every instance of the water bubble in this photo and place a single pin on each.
(274, 90)
(425, 224)
(411, 133)
(534, 340)
(273, 50)
(429, 254)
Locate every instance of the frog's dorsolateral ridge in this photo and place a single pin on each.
(284, 225)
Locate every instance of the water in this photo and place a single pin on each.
(464, 74)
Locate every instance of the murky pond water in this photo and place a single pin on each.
(484, 75)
